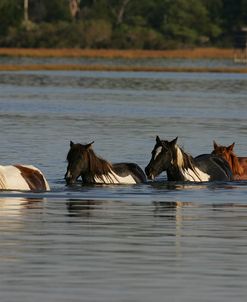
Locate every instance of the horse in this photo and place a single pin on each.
(180, 166)
(84, 163)
(237, 164)
(22, 178)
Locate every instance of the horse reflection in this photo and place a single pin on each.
(87, 207)
(14, 206)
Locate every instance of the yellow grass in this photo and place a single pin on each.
(196, 53)
(121, 68)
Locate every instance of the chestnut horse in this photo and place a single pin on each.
(237, 164)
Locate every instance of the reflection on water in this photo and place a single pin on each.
(182, 241)
(14, 206)
(93, 245)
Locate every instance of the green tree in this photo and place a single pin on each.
(49, 11)
(97, 9)
(233, 15)
(123, 23)
(187, 21)
(11, 14)
(215, 27)
(57, 10)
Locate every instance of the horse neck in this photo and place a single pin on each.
(235, 165)
(183, 160)
(97, 166)
(181, 163)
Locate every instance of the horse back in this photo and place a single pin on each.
(215, 166)
(33, 177)
(126, 169)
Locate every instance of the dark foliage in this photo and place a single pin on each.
(146, 24)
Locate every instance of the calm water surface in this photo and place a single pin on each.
(124, 62)
(154, 242)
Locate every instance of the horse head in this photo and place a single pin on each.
(162, 157)
(223, 151)
(77, 161)
(228, 154)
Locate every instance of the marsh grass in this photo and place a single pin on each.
(197, 53)
(120, 68)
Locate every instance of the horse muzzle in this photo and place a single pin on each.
(149, 173)
(69, 181)
(69, 178)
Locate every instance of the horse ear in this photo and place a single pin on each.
(230, 148)
(158, 140)
(215, 145)
(89, 145)
(173, 142)
(71, 144)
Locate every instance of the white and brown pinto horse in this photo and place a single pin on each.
(22, 178)
(84, 163)
(180, 166)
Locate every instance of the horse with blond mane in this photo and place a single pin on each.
(237, 164)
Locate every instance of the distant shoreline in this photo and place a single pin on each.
(195, 53)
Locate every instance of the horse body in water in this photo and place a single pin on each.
(22, 177)
(169, 157)
(84, 163)
(238, 165)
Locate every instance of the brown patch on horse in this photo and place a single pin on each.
(34, 178)
(232, 159)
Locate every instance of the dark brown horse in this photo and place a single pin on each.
(237, 164)
(84, 163)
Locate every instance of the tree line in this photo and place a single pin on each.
(122, 24)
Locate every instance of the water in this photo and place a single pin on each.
(151, 242)
(165, 62)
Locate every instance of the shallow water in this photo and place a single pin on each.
(154, 242)
(165, 62)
